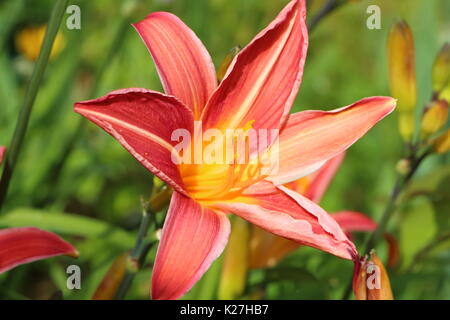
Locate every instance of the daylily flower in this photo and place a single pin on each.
(267, 249)
(258, 89)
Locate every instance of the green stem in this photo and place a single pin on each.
(53, 174)
(30, 97)
(328, 7)
(401, 182)
(422, 254)
(137, 255)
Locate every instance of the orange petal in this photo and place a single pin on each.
(143, 122)
(292, 216)
(321, 179)
(24, 245)
(184, 65)
(312, 137)
(351, 221)
(264, 78)
(192, 238)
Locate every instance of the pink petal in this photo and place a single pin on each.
(351, 221)
(2, 153)
(321, 179)
(24, 245)
(193, 237)
(264, 78)
(184, 65)
(292, 216)
(143, 122)
(312, 137)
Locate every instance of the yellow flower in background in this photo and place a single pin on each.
(28, 42)
(402, 75)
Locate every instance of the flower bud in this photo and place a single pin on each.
(441, 69)
(111, 281)
(445, 93)
(371, 280)
(434, 117)
(160, 200)
(403, 166)
(402, 71)
(442, 143)
(406, 125)
(223, 68)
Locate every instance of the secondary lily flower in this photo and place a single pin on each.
(258, 89)
(24, 245)
(267, 249)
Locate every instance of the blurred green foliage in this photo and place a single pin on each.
(95, 199)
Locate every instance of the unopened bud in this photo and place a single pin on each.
(111, 281)
(403, 166)
(442, 143)
(160, 200)
(402, 71)
(406, 125)
(434, 117)
(371, 280)
(441, 69)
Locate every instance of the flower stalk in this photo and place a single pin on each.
(141, 248)
(30, 97)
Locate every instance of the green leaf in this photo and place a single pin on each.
(68, 224)
(417, 228)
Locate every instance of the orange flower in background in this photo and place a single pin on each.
(266, 249)
(257, 92)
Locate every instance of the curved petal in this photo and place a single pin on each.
(24, 245)
(264, 78)
(292, 216)
(184, 65)
(143, 122)
(351, 221)
(312, 137)
(266, 249)
(2, 153)
(193, 237)
(314, 185)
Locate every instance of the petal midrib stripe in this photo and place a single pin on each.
(144, 133)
